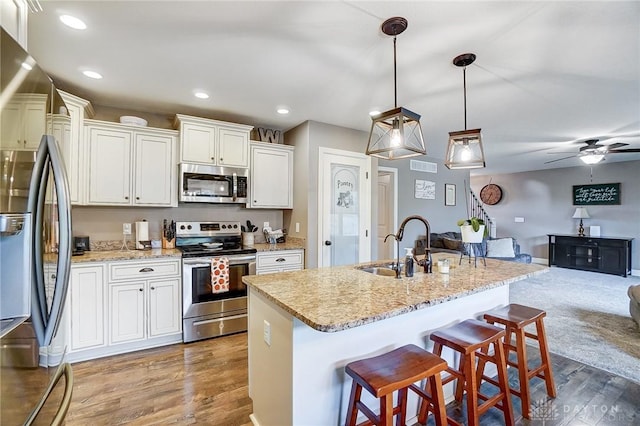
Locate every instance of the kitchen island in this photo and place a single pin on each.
(305, 326)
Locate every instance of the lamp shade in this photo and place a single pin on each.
(591, 157)
(396, 134)
(464, 150)
(581, 213)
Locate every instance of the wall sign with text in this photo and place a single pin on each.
(597, 194)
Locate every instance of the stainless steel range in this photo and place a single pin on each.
(207, 314)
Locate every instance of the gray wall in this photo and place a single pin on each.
(544, 199)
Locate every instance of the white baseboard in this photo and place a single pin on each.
(540, 260)
(635, 272)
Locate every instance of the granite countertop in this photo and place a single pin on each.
(109, 255)
(292, 243)
(339, 298)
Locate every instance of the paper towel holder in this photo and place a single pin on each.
(143, 242)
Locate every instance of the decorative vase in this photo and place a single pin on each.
(471, 236)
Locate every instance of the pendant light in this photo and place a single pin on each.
(464, 150)
(395, 133)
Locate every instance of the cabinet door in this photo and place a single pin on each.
(164, 307)
(271, 178)
(87, 307)
(10, 127)
(613, 260)
(198, 143)
(233, 148)
(154, 170)
(33, 123)
(74, 150)
(126, 319)
(109, 166)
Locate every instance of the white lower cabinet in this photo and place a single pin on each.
(144, 299)
(271, 262)
(87, 307)
(118, 307)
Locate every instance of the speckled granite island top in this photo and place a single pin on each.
(339, 298)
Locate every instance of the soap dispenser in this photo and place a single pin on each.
(408, 262)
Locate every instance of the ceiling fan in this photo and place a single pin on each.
(593, 153)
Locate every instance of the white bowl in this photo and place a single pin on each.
(133, 121)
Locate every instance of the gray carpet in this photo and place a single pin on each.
(587, 319)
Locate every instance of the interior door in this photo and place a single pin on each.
(387, 211)
(344, 207)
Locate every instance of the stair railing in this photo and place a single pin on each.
(476, 209)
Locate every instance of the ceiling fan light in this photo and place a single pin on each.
(591, 158)
(464, 150)
(396, 134)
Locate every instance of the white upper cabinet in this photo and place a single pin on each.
(271, 176)
(131, 166)
(213, 142)
(23, 122)
(73, 149)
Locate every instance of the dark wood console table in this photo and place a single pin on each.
(597, 254)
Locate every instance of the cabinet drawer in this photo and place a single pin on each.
(124, 271)
(281, 259)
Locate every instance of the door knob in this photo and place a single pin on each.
(327, 243)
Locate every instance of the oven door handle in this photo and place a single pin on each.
(196, 263)
(241, 259)
(235, 187)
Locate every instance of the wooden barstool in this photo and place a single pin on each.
(515, 318)
(472, 339)
(396, 371)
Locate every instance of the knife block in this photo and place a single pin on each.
(168, 244)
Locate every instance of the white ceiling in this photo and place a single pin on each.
(548, 74)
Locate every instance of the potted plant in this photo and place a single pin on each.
(473, 230)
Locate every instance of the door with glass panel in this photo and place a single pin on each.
(344, 207)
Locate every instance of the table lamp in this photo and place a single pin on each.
(581, 213)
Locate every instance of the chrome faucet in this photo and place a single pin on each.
(426, 263)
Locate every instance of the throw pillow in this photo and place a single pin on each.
(437, 243)
(502, 247)
(453, 244)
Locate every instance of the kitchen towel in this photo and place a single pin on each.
(219, 274)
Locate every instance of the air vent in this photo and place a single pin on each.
(423, 166)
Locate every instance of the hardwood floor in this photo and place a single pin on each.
(206, 383)
(203, 382)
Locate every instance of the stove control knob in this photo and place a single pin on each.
(189, 227)
(224, 226)
(235, 226)
(182, 227)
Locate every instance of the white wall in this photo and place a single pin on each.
(544, 198)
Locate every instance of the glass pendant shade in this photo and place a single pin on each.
(464, 150)
(396, 134)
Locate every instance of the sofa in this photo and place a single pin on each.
(494, 248)
(634, 302)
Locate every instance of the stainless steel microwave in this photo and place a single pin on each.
(212, 184)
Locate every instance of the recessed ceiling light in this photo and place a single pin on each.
(73, 22)
(201, 95)
(283, 110)
(374, 112)
(27, 66)
(92, 74)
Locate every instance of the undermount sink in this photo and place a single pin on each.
(384, 271)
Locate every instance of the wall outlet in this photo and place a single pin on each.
(267, 332)
(126, 228)
(265, 225)
(519, 219)
(297, 227)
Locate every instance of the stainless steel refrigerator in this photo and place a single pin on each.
(35, 235)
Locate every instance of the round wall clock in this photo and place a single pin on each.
(491, 194)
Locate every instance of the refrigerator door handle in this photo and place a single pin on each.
(63, 370)
(45, 323)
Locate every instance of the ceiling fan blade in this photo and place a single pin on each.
(622, 151)
(558, 159)
(616, 145)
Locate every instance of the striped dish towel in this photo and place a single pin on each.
(219, 274)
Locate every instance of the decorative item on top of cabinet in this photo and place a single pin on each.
(271, 262)
(213, 142)
(271, 176)
(23, 121)
(131, 166)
